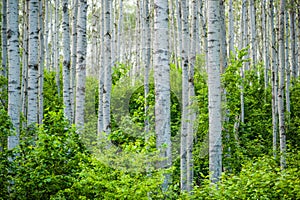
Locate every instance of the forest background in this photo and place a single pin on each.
(154, 99)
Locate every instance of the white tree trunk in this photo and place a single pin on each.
(281, 84)
(73, 59)
(265, 43)
(101, 74)
(47, 50)
(293, 63)
(231, 28)
(274, 80)
(185, 100)
(179, 33)
(107, 69)
(162, 86)
(41, 63)
(81, 63)
(56, 46)
(120, 31)
(223, 44)
(253, 33)
(33, 62)
(4, 38)
(14, 100)
(214, 91)
(191, 95)
(66, 60)
(24, 93)
(147, 63)
(287, 68)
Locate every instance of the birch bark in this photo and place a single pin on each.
(66, 60)
(214, 91)
(185, 100)
(281, 83)
(107, 69)
(33, 63)
(162, 86)
(81, 63)
(14, 100)
(73, 59)
(4, 38)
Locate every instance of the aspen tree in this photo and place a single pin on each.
(231, 28)
(253, 32)
(107, 68)
(47, 49)
(287, 66)
(281, 84)
(66, 59)
(41, 63)
(214, 90)
(33, 63)
(81, 63)
(293, 62)
(191, 96)
(185, 100)
(24, 93)
(14, 100)
(147, 62)
(274, 80)
(56, 47)
(162, 86)
(73, 58)
(4, 38)
(265, 43)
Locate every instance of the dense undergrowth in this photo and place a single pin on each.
(54, 162)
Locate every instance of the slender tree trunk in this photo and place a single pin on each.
(265, 43)
(214, 91)
(287, 68)
(14, 100)
(223, 44)
(53, 44)
(179, 32)
(274, 80)
(120, 31)
(281, 84)
(47, 50)
(101, 75)
(185, 100)
(191, 96)
(56, 47)
(81, 63)
(107, 69)
(162, 86)
(41, 63)
(293, 42)
(253, 33)
(147, 61)
(33, 63)
(231, 28)
(66, 60)
(73, 59)
(203, 20)
(4, 38)
(24, 87)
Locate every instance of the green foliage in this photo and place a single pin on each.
(260, 178)
(5, 131)
(52, 100)
(293, 131)
(51, 163)
(3, 90)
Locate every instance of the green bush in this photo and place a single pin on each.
(260, 178)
